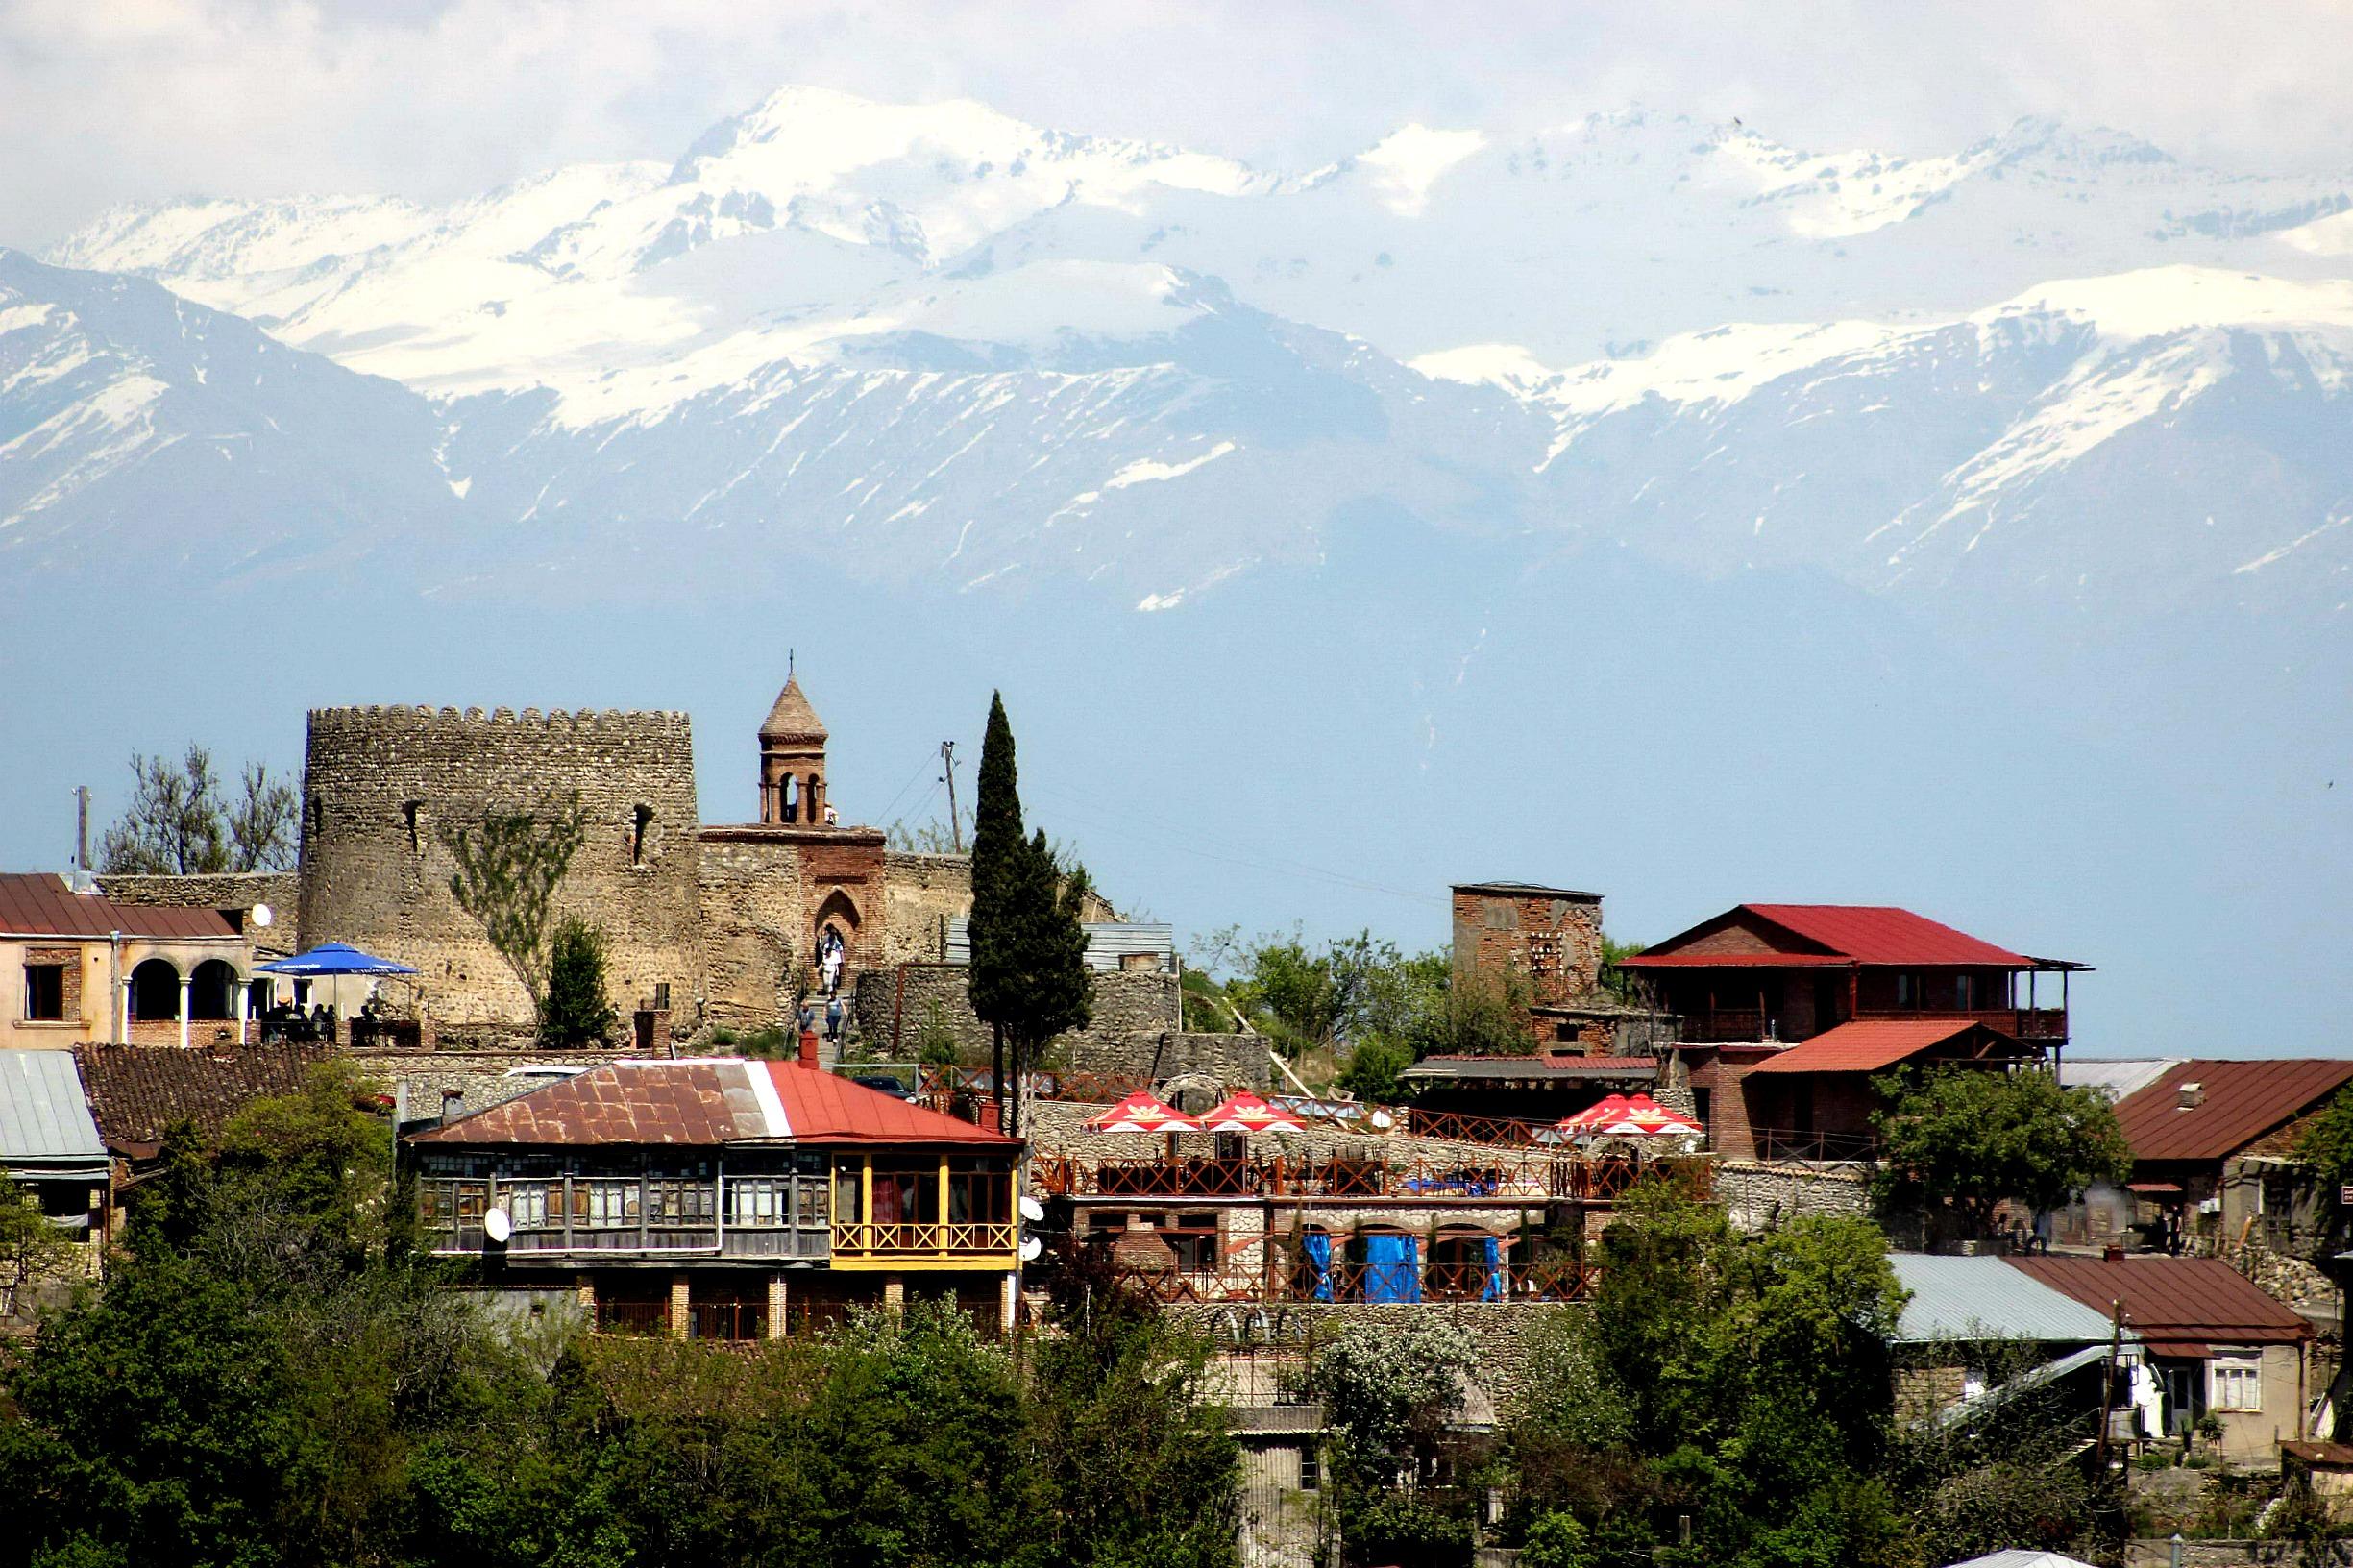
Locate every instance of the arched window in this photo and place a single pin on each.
(154, 991)
(788, 798)
(637, 838)
(212, 990)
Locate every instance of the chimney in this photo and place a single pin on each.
(2192, 1096)
(808, 1049)
(2112, 1253)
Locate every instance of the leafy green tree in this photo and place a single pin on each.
(1959, 1140)
(577, 1011)
(30, 1246)
(2326, 1143)
(182, 821)
(1029, 979)
(509, 865)
(1390, 1393)
(1373, 1069)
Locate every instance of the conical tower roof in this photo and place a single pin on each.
(792, 719)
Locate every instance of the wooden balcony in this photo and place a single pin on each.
(989, 1245)
(2040, 1024)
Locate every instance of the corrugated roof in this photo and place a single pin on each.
(1867, 1044)
(1856, 933)
(1983, 1298)
(707, 1102)
(40, 904)
(137, 1092)
(1569, 1068)
(792, 717)
(45, 1125)
(2173, 1298)
(1525, 890)
(2115, 1078)
(2020, 1556)
(1108, 942)
(2238, 1102)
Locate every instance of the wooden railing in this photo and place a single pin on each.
(1786, 1143)
(639, 1317)
(728, 1320)
(1533, 1174)
(1564, 1280)
(922, 1239)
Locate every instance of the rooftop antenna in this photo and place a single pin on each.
(788, 664)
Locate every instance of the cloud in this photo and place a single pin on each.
(152, 99)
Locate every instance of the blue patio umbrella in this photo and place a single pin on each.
(331, 961)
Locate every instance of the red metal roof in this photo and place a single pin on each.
(1852, 933)
(2238, 1103)
(708, 1102)
(2194, 1299)
(1867, 1045)
(40, 904)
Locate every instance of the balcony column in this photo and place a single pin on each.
(187, 993)
(680, 1316)
(584, 1285)
(1009, 1300)
(941, 1230)
(122, 1017)
(866, 1204)
(778, 1305)
(894, 1294)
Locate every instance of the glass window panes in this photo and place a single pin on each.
(2237, 1382)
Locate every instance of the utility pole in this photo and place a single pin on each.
(82, 827)
(947, 766)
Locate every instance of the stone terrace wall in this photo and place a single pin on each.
(1132, 1011)
(757, 938)
(1759, 1197)
(382, 785)
(1502, 1334)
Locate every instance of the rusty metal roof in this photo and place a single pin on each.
(1870, 1044)
(40, 904)
(1850, 933)
(2238, 1103)
(2173, 1298)
(708, 1102)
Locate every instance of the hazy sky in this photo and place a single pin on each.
(112, 100)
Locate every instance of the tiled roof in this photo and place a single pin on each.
(137, 1092)
(1866, 1046)
(1532, 1066)
(44, 1120)
(1856, 933)
(707, 1102)
(2238, 1103)
(39, 904)
(792, 719)
(1983, 1298)
(2173, 1298)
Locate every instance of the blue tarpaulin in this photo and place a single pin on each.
(1318, 1248)
(1392, 1269)
(1494, 1289)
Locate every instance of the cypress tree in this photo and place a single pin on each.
(997, 847)
(1029, 950)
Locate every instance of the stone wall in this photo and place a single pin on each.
(383, 785)
(1759, 1197)
(1132, 1011)
(920, 893)
(756, 940)
(239, 891)
(1234, 1061)
(1502, 1334)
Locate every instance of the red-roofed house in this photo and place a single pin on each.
(2213, 1152)
(77, 968)
(1790, 972)
(1787, 1011)
(712, 1197)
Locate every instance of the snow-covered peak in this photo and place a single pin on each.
(1414, 158)
(2159, 302)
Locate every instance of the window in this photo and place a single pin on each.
(45, 992)
(604, 1205)
(759, 1202)
(1908, 991)
(637, 836)
(979, 1191)
(2238, 1381)
(1964, 992)
(530, 1203)
(1195, 1241)
(1311, 1467)
(672, 1202)
(810, 1200)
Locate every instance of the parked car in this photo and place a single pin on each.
(885, 1083)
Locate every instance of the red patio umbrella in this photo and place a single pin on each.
(1141, 1112)
(1246, 1112)
(1627, 1116)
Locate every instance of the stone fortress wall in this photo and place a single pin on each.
(383, 787)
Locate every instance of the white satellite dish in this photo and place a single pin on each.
(497, 1226)
(1383, 1120)
(1031, 1211)
(263, 915)
(1031, 1247)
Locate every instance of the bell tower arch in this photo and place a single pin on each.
(793, 761)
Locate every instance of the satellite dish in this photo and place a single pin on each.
(1031, 1211)
(1031, 1247)
(1383, 1120)
(497, 1226)
(263, 915)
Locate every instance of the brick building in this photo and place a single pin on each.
(1548, 941)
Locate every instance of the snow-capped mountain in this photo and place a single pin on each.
(933, 341)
